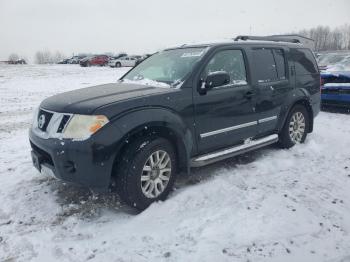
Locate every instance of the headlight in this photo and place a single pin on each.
(81, 127)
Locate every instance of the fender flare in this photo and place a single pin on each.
(302, 97)
(146, 119)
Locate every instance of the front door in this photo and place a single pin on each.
(225, 115)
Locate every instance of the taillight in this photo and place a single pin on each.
(321, 83)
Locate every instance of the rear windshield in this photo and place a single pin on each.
(304, 61)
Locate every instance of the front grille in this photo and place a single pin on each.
(63, 123)
(51, 124)
(44, 118)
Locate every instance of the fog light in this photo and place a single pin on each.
(70, 167)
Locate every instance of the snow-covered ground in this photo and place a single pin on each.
(270, 205)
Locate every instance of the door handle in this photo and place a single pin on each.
(249, 95)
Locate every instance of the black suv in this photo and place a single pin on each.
(180, 108)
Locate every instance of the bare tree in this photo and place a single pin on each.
(46, 57)
(58, 56)
(329, 39)
(39, 57)
(13, 57)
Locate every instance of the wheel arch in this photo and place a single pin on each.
(304, 101)
(155, 122)
(157, 130)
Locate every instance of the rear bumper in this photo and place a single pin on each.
(87, 163)
(316, 104)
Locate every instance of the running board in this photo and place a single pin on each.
(233, 151)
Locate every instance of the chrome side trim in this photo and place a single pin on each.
(233, 151)
(263, 120)
(231, 128)
(227, 129)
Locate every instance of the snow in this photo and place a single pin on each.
(147, 82)
(336, 84)
(343, 66)
(269, 205)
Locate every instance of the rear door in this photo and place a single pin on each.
(272, 83)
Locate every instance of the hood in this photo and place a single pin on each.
(86, 100)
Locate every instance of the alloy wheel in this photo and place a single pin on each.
(156, 174)
(297, 127)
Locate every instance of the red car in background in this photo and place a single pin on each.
(97, 60)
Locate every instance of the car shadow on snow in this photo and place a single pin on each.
(85, 204)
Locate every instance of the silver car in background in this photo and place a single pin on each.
(129, 61)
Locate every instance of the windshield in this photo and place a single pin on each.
(168, 67)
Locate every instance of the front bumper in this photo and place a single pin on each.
(88, 163)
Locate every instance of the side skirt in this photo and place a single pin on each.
(250, 145)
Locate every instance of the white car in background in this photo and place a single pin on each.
(123, 61)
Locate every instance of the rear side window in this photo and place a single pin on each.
(280, 63)
(264, 65)
(304, 61)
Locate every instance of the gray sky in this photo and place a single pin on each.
(27, 26)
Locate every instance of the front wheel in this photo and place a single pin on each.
(146, 173)
(295, 128)
(118, 64)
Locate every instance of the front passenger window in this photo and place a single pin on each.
(230, 61)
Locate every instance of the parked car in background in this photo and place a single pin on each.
(18, 62)
(73, 60)
(76, 59)
(112, 59)
(141, 58)
(96, 60)
(326, 60)
(335, 84)
(118, 56)
(64, 61)
(124, 61)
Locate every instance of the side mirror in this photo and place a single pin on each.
(215, 79)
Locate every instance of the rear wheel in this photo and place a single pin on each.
(295, 128)
(146, 173)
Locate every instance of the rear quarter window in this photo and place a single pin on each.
(304, 61)
(280, 63)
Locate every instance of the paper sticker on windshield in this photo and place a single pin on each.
(192, 54)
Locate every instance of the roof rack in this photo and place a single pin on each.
(267, 38)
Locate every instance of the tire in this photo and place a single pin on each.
(136, 165)
(295, 128)
(118, 64)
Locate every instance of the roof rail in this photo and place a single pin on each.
(267, 38)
